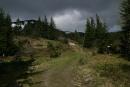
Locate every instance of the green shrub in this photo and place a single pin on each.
(54, 50)
(82, 61)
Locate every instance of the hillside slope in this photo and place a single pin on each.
(75, 67)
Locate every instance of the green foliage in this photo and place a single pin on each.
(42, 28)
(101, 35)
(89, 34)
(76, 36)
(96, 35)
(125, 39)
(100, 30)
(55, 50)
(7, 46)
(17, 29)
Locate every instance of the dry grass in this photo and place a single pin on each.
(107, 70)
(76, 67)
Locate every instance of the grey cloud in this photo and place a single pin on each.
(27, 9)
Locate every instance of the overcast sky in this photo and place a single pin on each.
(68, 14)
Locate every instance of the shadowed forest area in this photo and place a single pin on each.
(36, 53)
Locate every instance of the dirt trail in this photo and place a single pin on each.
(62, 70)
(61, 74)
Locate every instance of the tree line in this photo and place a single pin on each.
(39, 28)
(96, 34)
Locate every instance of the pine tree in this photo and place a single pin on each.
(7, 46)
(28, 29)
(89, 34)
(125, 40)
(2, 33)
(37, 30)
(45, 21)
(45, 32)
(100, 35)
(17, 29)
(52, 30)
(96, 34)
(52, 24)
(92, 24)
(103, 41)
(99, 28)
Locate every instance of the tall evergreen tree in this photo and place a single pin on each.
(28, 29)
(45, 20)
(89, 34)
(7, 46)
(52, 24)
(93, 28)
(52, 30)
(101, 35)
(125, 40)
(96, 34)
(37, 30)
(103, 39)
(45, 32)
(100, 28)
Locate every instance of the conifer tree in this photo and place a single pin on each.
(100, 34)
(125, 40)
(45, 32)
(92, 24)
(52, 30)
(7, 46)
(28, 29)
(17, 29)
(103, 40)
(52, 24)
(45, 20)
(37, 30)
(95, 34)
(99, 28)
(88, 39)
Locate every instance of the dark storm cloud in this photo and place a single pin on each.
(27, 9)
